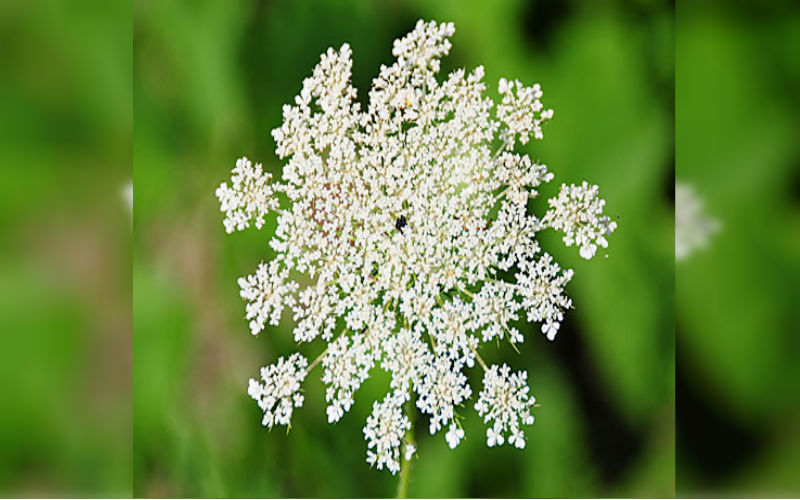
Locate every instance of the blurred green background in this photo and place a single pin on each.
(209, 84)
(65, 278)
(737, 315)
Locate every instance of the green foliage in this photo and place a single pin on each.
(736, 302)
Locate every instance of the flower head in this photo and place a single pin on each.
(279, 394)
(505, 402)
(384, 432)
(397, 227)
(578, 213)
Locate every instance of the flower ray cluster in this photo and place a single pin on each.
(578, 213)
(505, 401)
(396, 225)
(280, 394)
(384, 432)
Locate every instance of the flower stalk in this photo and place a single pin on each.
(405, 467)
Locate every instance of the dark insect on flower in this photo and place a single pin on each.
(400, 223)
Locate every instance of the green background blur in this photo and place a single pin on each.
(209, 84)
(66, 129)
(737, 314)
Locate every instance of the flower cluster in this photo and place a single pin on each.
(280, 393)
(384, 433)
(578, 213)
(504, 401)
(522, 111)
(397, 227)
(250, 197)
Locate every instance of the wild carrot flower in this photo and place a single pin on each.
(394, 223)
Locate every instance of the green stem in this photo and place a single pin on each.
(405, 465)
(323, 353)
(480, 360)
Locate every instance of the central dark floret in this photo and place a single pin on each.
(400, 223)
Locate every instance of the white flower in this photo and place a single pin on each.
(398, 226)
(693, 227)
(521, 111)
(250, 196)
(505, 402)
(520, 176)
(450, 325)
(410, 450)
(541, 285)
(495, 307)
(347, 365)
(443, 387)
(267, 292)
(384, 432)
(517, 438)
(407, 357)
(578, 213)
(454, 436)
(280, 394)
(493, 438)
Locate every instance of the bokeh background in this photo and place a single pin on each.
(209, 84)
(66, 128)
(737, 315)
